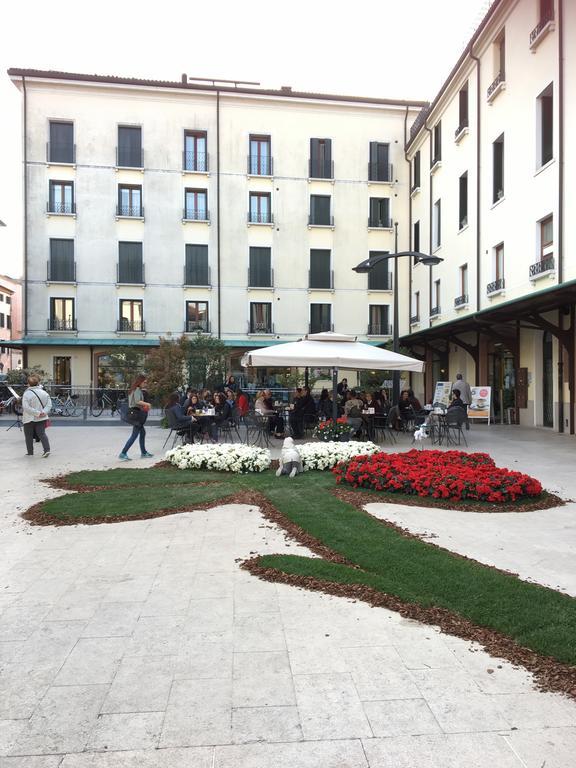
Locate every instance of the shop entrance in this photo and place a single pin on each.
(547, 381)
(502, 379)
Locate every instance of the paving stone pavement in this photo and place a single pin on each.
(144, 644)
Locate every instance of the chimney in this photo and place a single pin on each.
(184, 77)
(286, 88)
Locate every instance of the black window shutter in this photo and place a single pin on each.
(320, 268)
(130, 263)
(260, 268)
(130, 146)
(547, 128)
(62, 142)
(378, 277)
(196, 265)
(62, 260)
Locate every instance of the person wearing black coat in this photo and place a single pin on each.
(304, 406)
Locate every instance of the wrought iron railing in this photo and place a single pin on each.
(196, 214)
(375, 223)
(130, 275)
(321, 282)
(258, 280)
(265, 217)
(377, 329)
(63, 273)
(546, 264)
(130, 211)
(260, 166)
(463, 124)
(60, 208)
(320, 221)
(260, 327)
(130, 326)
(415, 318)
(500, 78)
(62, 324)
(61, 152)
(197, 276)
(434, 311)
(459, 301)
(320, 170)
(195, 161)
(129, 158)
(495, 285)
(548, 16)
(197, 326)
(380, 172)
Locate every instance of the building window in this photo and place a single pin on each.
(130, 201)
(463, 201)
(462, 108)
(499, 66)
(547, 238)
(260, 211)
(379, 213)
(8, 299)
(379, 168)
(416, 238)
(437, 143)
(9, 322)
(416, 171)
(435, 308)
(378, 324)
(415, 314)
(437, 225)
(499, 264)
(320, 275)
(61, 267)
(260, 268)
(197, 317)
(62, 317)
(195, 151)
(320, 164)
(1, 319)
(61, 147)
(498, 169)
(379, 277)
(196, 205)
(260, 157)
(463, 297)
(130, 264)
(129, 151)
(196, 269)
(131, 315)
(320, 211)
(61, 197)
(545, 128)
(260, 317)
(62, 371)
(320, 318)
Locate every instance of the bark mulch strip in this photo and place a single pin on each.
(549, 674)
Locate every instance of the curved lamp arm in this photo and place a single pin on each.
(424, 258)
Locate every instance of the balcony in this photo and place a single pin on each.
(377, 329)
(130, 212)
(495, 287)
(461, 131)
(461, 301)
(60, 154)
(196, 214)
(130, 326)
(258, 280)
(195, 162)
(262, 217)
(197, 277)
(197, 326)
(321, 221)
(435, 311)
(323, 282)
(381, 172)
(61, 273)
(62, 324)
(545, 25)
(260, 328)
(60, 209)
(498, 85)
(129, 158)
(376, 223)
(321, 170)
(260, 166)
(320, 327)
(378, 282)
(133, 276)
(414, 319)
(546, 266)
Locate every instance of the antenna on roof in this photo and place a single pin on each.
(214, 80)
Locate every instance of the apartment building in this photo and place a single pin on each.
(161, 208)
(10, 317)
(490, 194)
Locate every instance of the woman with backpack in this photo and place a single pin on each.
(137, 414)
(36, 405)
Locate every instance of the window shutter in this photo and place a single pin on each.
(320, 268)
(129, 146)
(260, 267)
(62, 260)
(62, 142)
(196, 265)
(379, 276)
(130, 263)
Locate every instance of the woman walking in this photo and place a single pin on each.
(137, 414)
(36, 405)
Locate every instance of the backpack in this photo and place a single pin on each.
(355, 412)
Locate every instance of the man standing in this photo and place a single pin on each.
(464, 387)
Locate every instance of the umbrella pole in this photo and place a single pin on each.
(334, 394)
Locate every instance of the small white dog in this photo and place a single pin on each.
(421, 433)
(290, 460)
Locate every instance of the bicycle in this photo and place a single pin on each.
(103, 401)
(12, 405)
(64, 406)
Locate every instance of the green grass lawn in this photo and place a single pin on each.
(386, 560)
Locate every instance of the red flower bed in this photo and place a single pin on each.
(440, 474)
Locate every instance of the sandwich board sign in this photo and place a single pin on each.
(481, 403)
(442, 394)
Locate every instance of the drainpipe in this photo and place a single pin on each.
(560, 141)
(478, 185)
(218, 282)
(410, 244)
(25, 190)
(429, 216)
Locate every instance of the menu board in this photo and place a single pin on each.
(481, 403)
(442, 393)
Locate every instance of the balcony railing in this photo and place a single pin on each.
(195, 161)
(63, 273)
(458, 131)
(434, 311)
(320, 327)
(323, 282)
(262, 217)
(196, 214)
(377, 329)
(460, 301)
(320, 170)
(546, 264)
(129, 158)
(376, 223)
(257, 280)
(415, 318)
(197, 276)
(130, 211)
(61, 153)
(378, 282)
(320, 221)
(380, 172)
(66, 209)
(260, 166)
(197, 326)
(125, 276)
(62, 324)
(260, 327)
(499, 79)
(495, 285)
(130, 326)
(548, 16)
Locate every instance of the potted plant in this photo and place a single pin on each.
(329, 430)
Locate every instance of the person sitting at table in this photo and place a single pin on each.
(414, 402)
(229, 394)
(353, 411)
(193, 404)
(371, 401)
(342, 388)
(222, 413)
(231, 384)
(182, 421)
(325, 405)
(405, 411)
(265, 407)
(304, 408)
(457, 402)
(206, 398)
(241, 402)
(384, 399)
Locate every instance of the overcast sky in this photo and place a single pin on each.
(387, 48)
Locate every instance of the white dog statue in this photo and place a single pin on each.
(421, 433)
(290, 461)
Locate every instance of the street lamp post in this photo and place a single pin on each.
(369, 264)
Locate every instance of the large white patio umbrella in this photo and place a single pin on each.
(334, 350)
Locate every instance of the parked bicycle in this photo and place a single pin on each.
(64, 405)
(11, 405)
(105, 400)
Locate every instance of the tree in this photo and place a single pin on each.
(19, 376)
(373, 380)
(206, 362)
(166, 367)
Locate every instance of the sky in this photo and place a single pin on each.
(388, 48)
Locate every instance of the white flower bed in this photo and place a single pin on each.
(327, 455)
(225, 457)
